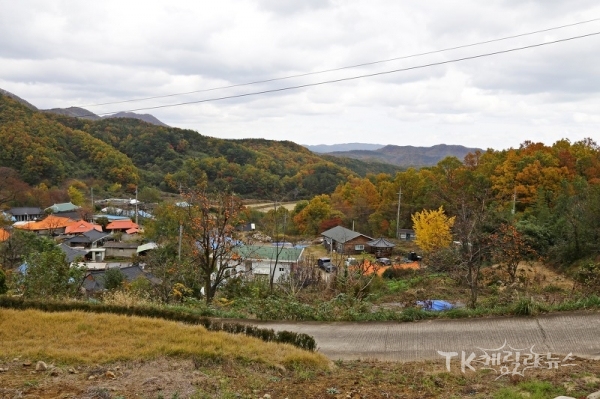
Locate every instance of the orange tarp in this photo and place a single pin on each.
(50, 223)
(370, 268)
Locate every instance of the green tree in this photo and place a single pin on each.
(76, 196)
(113, 279)
(312, 215)
(48, 275)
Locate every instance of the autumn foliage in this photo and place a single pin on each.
(433, 229)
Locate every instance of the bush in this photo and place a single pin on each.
(528, 307)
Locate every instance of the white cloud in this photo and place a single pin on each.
(64, 53)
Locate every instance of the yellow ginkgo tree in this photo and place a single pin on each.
(432, 228)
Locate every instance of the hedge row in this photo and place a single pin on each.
(303, 341)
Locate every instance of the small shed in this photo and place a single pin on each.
(406, 234)
(381, 247)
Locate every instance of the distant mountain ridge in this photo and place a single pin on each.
(407, 156)
(329, 148)
(77, 112)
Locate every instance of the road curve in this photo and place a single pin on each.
(558, 333)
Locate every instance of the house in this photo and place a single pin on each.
(62, 208)
(91, 241)
(345, 241)
(73, 254)
(81, 226)
(120, 249)
(28, 214)
(381, 247)
(123, 226)
(51, 225)
(94, 280)
(406, 234)
(258, 260)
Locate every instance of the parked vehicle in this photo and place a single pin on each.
(414, 257)
(384, 261)
(325, 264)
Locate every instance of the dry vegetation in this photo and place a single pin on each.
(77, 337)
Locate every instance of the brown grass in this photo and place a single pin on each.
(78, 337)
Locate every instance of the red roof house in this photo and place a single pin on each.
(121, 225)
(81, 227)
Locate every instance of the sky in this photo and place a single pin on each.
(82, 53)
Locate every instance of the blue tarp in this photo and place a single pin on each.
(435, 305)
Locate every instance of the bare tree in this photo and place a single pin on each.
(211, 237)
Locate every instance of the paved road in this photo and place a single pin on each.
(560, 333)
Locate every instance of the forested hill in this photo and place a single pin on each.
(408, 156)
(52, 148)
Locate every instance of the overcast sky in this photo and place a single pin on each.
(78, 53)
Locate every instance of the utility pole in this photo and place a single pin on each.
(398, 213)
(93, 209)
(136, 207)
(180, 234)
(514, 202)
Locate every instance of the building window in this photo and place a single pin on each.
(281, 269)
(359, 247)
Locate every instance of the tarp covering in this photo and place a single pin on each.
(436, 305)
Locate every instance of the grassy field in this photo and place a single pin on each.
(107, 356)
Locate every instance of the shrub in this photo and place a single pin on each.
(528, 307)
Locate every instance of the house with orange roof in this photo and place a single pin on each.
(122, 226)
(4, 235)
(51, 225)
(81, 227)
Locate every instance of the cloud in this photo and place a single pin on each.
(63, 53)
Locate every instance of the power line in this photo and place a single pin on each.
(352, 77)
(346, 67)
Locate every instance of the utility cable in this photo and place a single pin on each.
(346, 67)
(354, 77)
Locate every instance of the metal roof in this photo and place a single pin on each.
(269, 253)
(342, 234)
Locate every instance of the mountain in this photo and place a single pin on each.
(53, 147)
(143, 117)
(19, 99)
(408, 156)
(74, 112)
(83, 113)
(328, 148)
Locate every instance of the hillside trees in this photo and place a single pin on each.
(310, 217)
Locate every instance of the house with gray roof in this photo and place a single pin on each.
(73, 254)
(92, 241)
(26, 214)
(62, 208)
(94, 280)
(345, 241)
